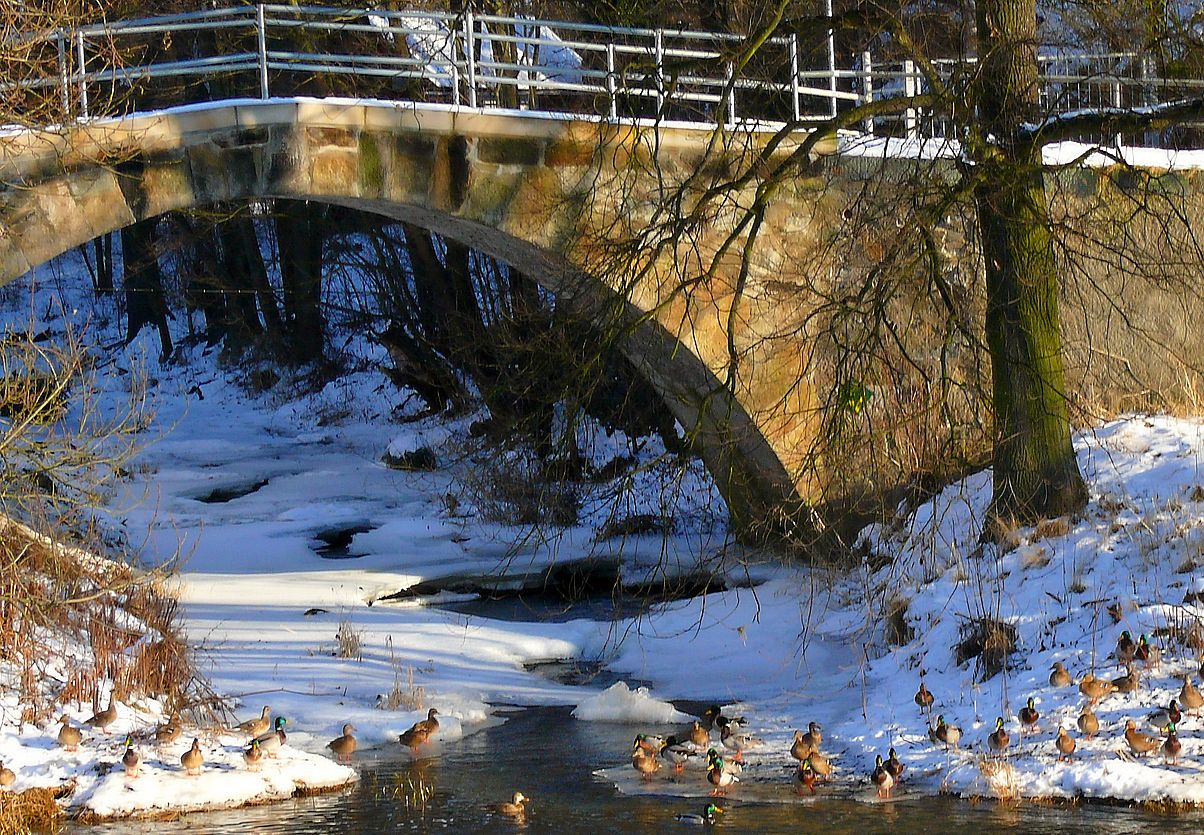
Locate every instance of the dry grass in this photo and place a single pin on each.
(54, 595)
(406, 694)
(32, 810)
(349, 642)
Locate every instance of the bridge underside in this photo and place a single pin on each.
(560, 200)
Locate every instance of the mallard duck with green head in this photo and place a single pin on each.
(882, 778)
(707, 818)
(1029, 716)
(1126, 647)
(253, 756)
(272, 741)
(130, 759)
(719, 774)
(1146, 653)
(804, 776)
(894, 765)
(1169, 715)
(999, 739)
(677, 754)
(1171, 746)
(944, 733)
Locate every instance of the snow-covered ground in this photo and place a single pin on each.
(804, 645)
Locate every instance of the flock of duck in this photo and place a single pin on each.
(724, 759)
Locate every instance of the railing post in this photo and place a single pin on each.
(731, 93)
(471, 55)
(796, 105)
(83, 75)
(911, 119)
(612, 82)
(1117, 103)
(261, 31)
(64, 72)
(455, 82)
(831, 59)
(659, 47)
(867, 86)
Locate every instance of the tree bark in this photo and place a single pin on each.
(143, 283)
(1036, 473)
(299, 237)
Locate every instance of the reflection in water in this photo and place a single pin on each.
(551, 758)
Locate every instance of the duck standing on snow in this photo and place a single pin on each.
(1129, 682)
(1171, 746)
(1028, 717)
(999, 740)
(272, 741)
(1146, 653)
(193, 759)
(1190, 697)
(1059, 676)
(258, 726)
(7, 777)
(169, 733)
(421, 731)
(343, 746)
(945, 734)
(924, 698)
(719, 774)
(804, 776)
(1126, 648)
(103, 718)
(881, 778)
(1169, 715)
(1138, 742)
(69, 736)
(130, 759)
(1088, 722)
(735, 742)
(1095, 688)
(894, 765)
(253, 756)
(1065, 744)
(512, 808)
(700, 737)
(707, 818)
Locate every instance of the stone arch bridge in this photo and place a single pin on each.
(547, 195)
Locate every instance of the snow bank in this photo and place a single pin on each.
(619, 703)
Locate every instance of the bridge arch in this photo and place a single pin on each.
(542, 194)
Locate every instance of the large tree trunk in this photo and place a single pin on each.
(299, 236)
(143, 284)
(1035, 470)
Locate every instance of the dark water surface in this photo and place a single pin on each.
(552, 758)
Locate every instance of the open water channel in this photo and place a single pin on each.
(553, 759)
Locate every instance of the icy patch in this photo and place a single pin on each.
(619, 703)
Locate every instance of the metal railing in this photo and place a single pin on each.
(516, 63)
